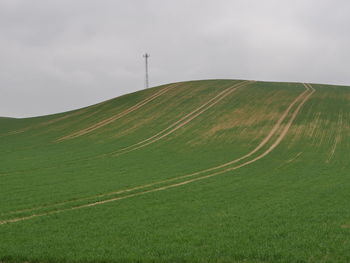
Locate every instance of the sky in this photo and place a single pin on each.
(60, 55)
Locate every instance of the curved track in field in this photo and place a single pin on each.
(43, 124)
(165, 132)
(175, 126)
(181, 122)
(65, 117)
(109, 120)
(298, 103)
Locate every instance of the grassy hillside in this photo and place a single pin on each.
(200, 171)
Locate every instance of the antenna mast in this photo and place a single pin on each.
(146, 56)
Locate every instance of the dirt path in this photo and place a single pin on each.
(306, 95)
(109, 120)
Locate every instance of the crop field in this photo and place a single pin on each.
(198, 171)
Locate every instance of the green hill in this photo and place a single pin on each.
(199, 171)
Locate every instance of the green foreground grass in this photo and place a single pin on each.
(291, 205)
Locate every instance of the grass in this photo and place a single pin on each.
(288, 206)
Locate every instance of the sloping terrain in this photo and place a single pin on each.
(200, 171)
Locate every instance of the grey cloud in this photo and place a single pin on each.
(61, 55)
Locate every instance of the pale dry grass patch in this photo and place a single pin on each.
(337, 137)
(248, 122)
(241, 119)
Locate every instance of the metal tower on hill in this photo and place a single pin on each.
(146, 56)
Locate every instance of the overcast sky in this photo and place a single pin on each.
(57, 55)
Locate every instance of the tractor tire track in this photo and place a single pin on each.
(109, 120)
(58, 119)
(174, 124)
(269, 150)
(190, 116)
(266, 139)
(183, 121)
(43, 124)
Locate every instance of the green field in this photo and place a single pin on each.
(199, 171)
